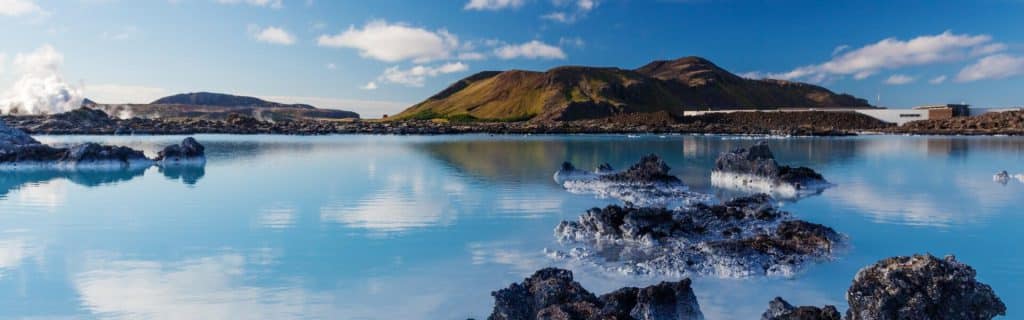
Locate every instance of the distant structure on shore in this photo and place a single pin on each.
(897, 116)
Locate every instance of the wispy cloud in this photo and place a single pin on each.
(938, 80)
(572, 10)
(493, 5)
(389, 42)
(893, 53)
(275, 4)
(272, 35)
(899, 79)
(415, 76)
(530, 50)
(15, 8)
(998, 66)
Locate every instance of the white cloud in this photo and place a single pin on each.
(899, 79)
(530, 50)
(472, 56)
(15, 8)
(893, 53)
(273, 35)
(839, 49)
(938, 80)
(372, 85)
(126, 33)
(117, 93)
(394, 42)
(578, 10)
(331, 66)
(417, 75)
(40, 87)
(493, 5)
(992, 67)
(275, 4)
(575, 42)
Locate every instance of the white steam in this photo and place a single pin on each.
(40, 89)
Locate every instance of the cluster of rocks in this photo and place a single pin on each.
(914, 287)
(907, 287)
(1003, 177)
(755, 169)
(553, 294)
(19, 150)
(646, 183)
(992, 123)
(739, 238)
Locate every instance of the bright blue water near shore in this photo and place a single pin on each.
(383, 227)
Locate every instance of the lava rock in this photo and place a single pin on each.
(759, 161)
(10, 137)
(646, 183)
(779, 309)
(553, 294)
(921, 287)
(742, 237)
(188, 150)
(650, 169)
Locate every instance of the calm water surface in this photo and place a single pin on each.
(382, 227)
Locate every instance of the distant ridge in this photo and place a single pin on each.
(579, 92)
(224, 100)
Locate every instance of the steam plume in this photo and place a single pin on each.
(40, 89)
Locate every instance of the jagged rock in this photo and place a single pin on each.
(921, 287)
(646, 183)
(89, 153)
(739, 238)
(553, 294)
(189, 150)
(10, 137)
(755, 169)
(779, 309)
(1001, 177)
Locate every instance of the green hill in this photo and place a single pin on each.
(573, 92)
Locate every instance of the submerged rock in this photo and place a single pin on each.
(553, 294)
(921, 287)
(739, 238)
(755, 169)
(646, 183)
(779, 309)
(189, 151)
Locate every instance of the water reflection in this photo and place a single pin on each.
(189, 174)
(11, 180)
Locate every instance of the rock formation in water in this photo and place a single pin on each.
(646, 183)
(188, 151)
(755, 169)
(921, 287)
(553, 294)
(779, 309)
(1001, 177)
(739, 238)
(19, 150)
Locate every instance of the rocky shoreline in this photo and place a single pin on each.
(909, 287)
(812, 123)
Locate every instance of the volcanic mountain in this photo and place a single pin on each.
(217, 106)
(576, 92)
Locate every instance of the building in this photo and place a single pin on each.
(897, 116)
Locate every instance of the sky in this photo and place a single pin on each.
(378, 57)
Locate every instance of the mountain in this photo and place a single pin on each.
(576, 92)
(218, 106)
(224, 100)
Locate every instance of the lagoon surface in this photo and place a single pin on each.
(415, 227)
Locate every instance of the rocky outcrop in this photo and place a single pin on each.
(921, 287)
(992, 123)
(755, 169)
(20, 151)
(779, 309)
(188, 151)
(553, 294)
(646, 183)
(738, 238)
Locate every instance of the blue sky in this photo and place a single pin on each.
(380, 56)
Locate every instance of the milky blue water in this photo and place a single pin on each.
(384, 227)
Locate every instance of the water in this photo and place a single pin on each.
(382, 227)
